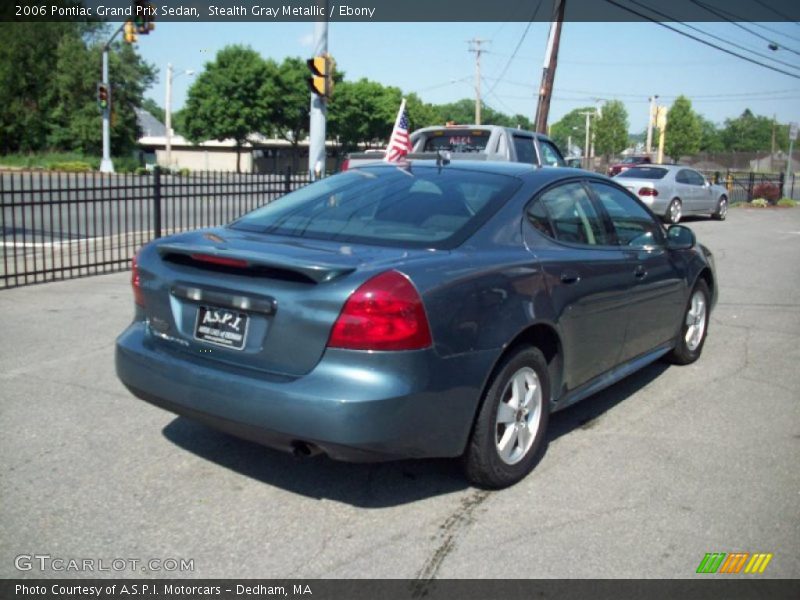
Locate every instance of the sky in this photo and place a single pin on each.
(597, 61)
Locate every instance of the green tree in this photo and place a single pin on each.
(572, 125)
(48, 78)
(753, 133)
(710, 136)
(229, 99)
(611, 129)
(363, 113)
(154, 109)
(684, 131)
(74, 122)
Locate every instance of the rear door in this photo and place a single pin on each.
(657, 289)
(588, 278)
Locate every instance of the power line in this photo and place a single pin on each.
(702, 41)
(791, 37)
(716, 37)
(768, 7)
(521, 39)
(719, 13)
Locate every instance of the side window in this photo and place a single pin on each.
(567, 214)
(683, 176)
(550, 156)
(526, 152)
(633, 225)
(696, 178)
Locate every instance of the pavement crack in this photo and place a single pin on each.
(452, 528)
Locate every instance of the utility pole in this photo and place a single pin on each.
(651, 118)
(549, 69)
(319, 108)
(475, 46)
(588, 114)
(772, 149)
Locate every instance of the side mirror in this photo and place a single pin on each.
(680, 238)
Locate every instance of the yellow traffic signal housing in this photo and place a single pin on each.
(129, 32)
(321, 82)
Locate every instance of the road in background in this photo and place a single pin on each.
(641, 480)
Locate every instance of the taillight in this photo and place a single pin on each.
(646, 191)
(136, 283)
(384, 313)
(345, 165)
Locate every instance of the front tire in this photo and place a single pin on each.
(674, 211)
(694, 328)
(512, 423)
(722, 209)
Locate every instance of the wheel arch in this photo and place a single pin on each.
(539, 335)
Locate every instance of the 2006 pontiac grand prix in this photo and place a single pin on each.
(427, 309)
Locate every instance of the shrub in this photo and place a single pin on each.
(787, 202)
(184, 172)
(759, 203)
(768, 191)
(141, 171)
(738, 205)
(74, 166)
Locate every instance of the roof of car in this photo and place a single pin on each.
(512, 130)
(514, 169)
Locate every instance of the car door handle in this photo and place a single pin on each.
(640, 272)
(570, 277)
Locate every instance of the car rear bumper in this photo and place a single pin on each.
(354, 406)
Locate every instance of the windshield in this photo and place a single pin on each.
(386, 205)
(643, 173)
(457, 140)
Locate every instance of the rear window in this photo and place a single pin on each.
(386, 205)
(643, 173)
(457, 140)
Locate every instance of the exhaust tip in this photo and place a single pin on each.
(304, 449)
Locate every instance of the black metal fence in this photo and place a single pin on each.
(64, 225)
(744, 186)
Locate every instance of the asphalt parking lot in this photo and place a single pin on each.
(639, 481)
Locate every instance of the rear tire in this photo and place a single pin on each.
(722, 209)
(674, 211)
(510, 430)
(694, 327)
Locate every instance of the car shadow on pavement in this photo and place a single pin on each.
(374, 485)
(371, 485)
(587, 413)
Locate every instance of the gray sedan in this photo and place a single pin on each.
(674, 191)
(419, 310)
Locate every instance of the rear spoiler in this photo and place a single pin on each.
(316, 271)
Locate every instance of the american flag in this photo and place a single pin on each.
(399, 143)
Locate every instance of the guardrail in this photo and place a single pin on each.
(57, 226)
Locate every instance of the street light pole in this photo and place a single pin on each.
(168, 115)
(168, 109)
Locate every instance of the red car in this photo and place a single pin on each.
(627, 163)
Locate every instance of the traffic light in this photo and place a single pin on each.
(130, 32)
(103, 99)
(321, 81)
(144, 15)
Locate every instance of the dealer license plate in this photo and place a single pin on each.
(221, 326)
